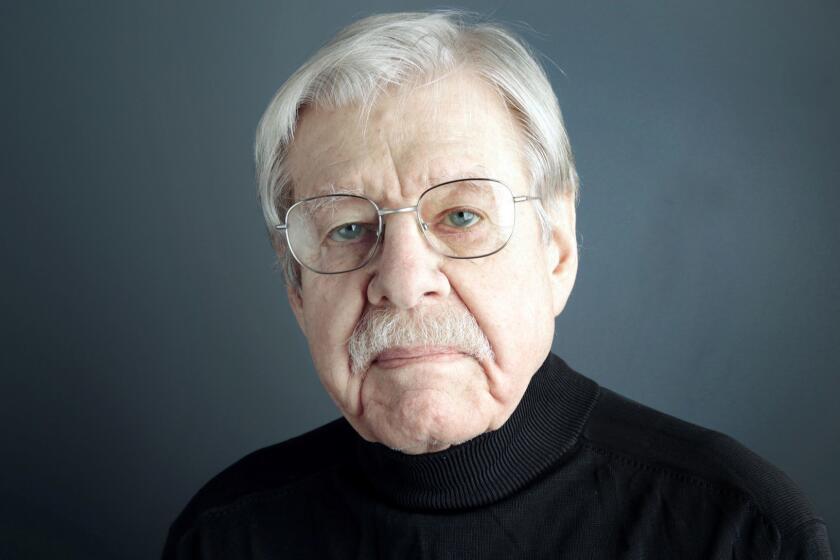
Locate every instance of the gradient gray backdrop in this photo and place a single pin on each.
(146, 338)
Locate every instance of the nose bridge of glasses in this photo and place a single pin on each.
(404, 210)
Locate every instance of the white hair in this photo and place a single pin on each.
(390, 50)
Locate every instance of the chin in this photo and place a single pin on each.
(424, 424)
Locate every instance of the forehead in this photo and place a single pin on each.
(409, 139)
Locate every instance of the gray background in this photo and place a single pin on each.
(147, 343)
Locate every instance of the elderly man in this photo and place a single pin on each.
(420, 192)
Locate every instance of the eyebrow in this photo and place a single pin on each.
(476, 172)
(332, 188)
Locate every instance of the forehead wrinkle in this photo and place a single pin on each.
(452, 173)
(421, 149)
(316, 160)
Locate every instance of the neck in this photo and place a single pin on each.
(542, 429)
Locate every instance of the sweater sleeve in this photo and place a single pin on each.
(808, 542)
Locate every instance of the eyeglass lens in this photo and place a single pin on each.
(338, 233)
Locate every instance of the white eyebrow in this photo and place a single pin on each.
(332, 188)
(441, 176)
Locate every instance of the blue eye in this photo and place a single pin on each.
(347, 232)
(462, 218)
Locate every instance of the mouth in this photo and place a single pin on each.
(398, 357)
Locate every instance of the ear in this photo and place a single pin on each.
(562, 259)
(296, 303)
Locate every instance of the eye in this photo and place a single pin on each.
(347, 232)
(462, 218)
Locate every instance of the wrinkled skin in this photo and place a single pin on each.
(413, 138)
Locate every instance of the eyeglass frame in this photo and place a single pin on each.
(380, 230)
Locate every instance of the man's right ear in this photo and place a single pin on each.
(296, 303)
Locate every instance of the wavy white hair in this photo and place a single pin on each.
(384, 51)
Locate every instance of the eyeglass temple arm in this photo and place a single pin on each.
(523, 198)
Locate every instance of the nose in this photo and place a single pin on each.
(406, 271)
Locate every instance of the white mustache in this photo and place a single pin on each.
(383, 328)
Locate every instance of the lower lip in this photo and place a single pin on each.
(392, 363)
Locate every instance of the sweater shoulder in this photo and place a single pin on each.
(269, 469)
(648, 437)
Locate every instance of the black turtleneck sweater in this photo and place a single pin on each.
(577, 472)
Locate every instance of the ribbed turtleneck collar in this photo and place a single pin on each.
(544, 426)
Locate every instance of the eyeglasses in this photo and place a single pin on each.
(461, 219)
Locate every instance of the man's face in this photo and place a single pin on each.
(424, 399)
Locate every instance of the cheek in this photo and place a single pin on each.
(510, 297)
(331, 309)
(516, 312)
